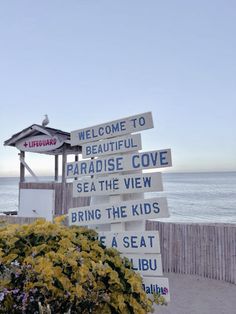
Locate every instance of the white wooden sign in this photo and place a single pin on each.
(146, 264)
(39, 143)
(111, 129)
(112, 146)
(131, 241)
(119, 212)
(123, 184)
(117, 163)
(114, 149)
(159, 285)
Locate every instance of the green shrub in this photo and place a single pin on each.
(65, 269)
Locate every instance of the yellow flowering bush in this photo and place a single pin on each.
(65, 270)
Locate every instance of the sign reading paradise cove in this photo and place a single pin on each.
(115, 151)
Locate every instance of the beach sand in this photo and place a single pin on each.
(197, 295)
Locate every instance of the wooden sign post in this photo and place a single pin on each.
(115, 181)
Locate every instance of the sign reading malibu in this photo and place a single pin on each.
(118, 208)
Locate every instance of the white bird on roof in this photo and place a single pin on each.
(45, 120)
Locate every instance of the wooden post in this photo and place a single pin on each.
(56, 168)
(64, 166)
(64, 203)
(76, 159)
(22, 167)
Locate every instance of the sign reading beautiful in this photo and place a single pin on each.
(115, 145)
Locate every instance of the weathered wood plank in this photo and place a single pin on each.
(208, 250)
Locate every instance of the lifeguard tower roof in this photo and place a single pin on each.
(41, 139)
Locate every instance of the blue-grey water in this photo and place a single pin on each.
(192, 197)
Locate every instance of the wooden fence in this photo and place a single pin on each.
(208, 250)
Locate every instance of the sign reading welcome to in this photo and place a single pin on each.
(111, 129)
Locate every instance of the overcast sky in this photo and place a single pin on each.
(85, 62)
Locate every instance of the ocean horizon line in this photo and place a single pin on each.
(164, 172)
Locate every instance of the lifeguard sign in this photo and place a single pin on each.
(115, 181)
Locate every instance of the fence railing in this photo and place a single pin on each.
(208, 250)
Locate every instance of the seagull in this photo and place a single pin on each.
(45, 120)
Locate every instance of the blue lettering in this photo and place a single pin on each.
(88, 134)
(163, 158)
(127, 183)
(73, 217)
(101, 131)
(83, 167)
(111, 165)
(147, 181)
(144, 264)
(79, 187)
(142, 242)
(114, 243)
(134, 210)
(138, 184)
(81, 135)
(88, 150)
(69, 168)
(126, 242)
(151, 238)
(154, 158)
(156, 209)
(141, 121)
(135, 164)
(94, 135)
(102, 239)
(153, 267)
(122, 126)
(133, 240)
(147, 208)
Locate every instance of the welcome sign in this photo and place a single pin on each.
(111, 129)
(115, 169)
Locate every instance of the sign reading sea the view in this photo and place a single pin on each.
(114, 151)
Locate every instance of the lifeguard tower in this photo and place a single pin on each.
(38, 198)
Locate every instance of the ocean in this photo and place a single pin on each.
(192, 197)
